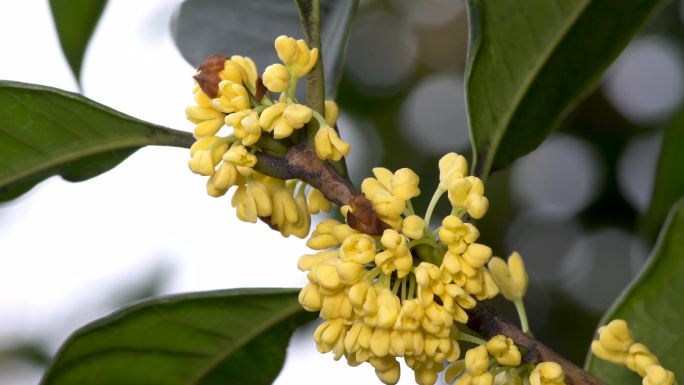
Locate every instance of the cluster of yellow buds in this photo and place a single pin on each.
(500, 355)
(616, 344)
(229, 93)
(402, 293)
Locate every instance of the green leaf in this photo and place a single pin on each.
(653, 305)
(45, 131)
(529, 61)
(248, 27)
(75, 21)
(669, 181)
(220, 337)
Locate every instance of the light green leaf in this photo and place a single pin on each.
(529, 61)
(222, 337)
(669, 181)
(45, 131)
(653, 305)
(75, 21)
(248, 27)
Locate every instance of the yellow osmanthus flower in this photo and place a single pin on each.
(246, 126)
(208, 121)
(476, 368)
(639, 358)
(328, 144)
(657, 375)
(616, 344)
(296, 55)
(511, 278)
(252, 200)
(504, 350)
(400, 294)
(233, 97)
(547, 373)
(413, 226)
(276, 78)
(389, 192)
(282, 118)
(396, 256)
(205, 154)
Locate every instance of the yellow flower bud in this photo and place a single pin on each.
(639, 358)
(309, 261)
(284, 208)
(426, 376)
(322, 237)
(413, 227)
(477, 360)
(276, 78)
(380, 342)
(657, 375)
(301, 227)
(297, 115)
(616, 357)
(208, 121)
(389, 307)
(616, 336)
(404, 184)
(246, 126)
(328, 144)
(225, 177)
(232, 72)
(547, 373)
(511, 278)
(310, 298)
(396, 256)
(205, 154)
(234, 97)
(332, 112)
(286, 48)
(389, 376)
(504, 350)
(249, 68)
(317, 202)
(452, 166)
(359, 248)
(240, 156)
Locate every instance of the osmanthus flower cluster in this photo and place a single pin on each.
(230, 94)
(616, 344)
(404, 293)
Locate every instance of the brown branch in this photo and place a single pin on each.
(484, 320)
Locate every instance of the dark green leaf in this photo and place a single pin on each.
(529, 61)
(653, 305)
(45, 131)
(221, 337)
(75, 21)
(669, 181)
(248, 27)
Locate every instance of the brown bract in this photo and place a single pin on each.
(208, 74)
(362, 217)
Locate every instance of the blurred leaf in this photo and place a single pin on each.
(669, 181)
(653, 305)
(248, 27)
(529, 61)
(75, 21)
(220, 337)
(45, 131)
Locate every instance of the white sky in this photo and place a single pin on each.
(66, 248)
